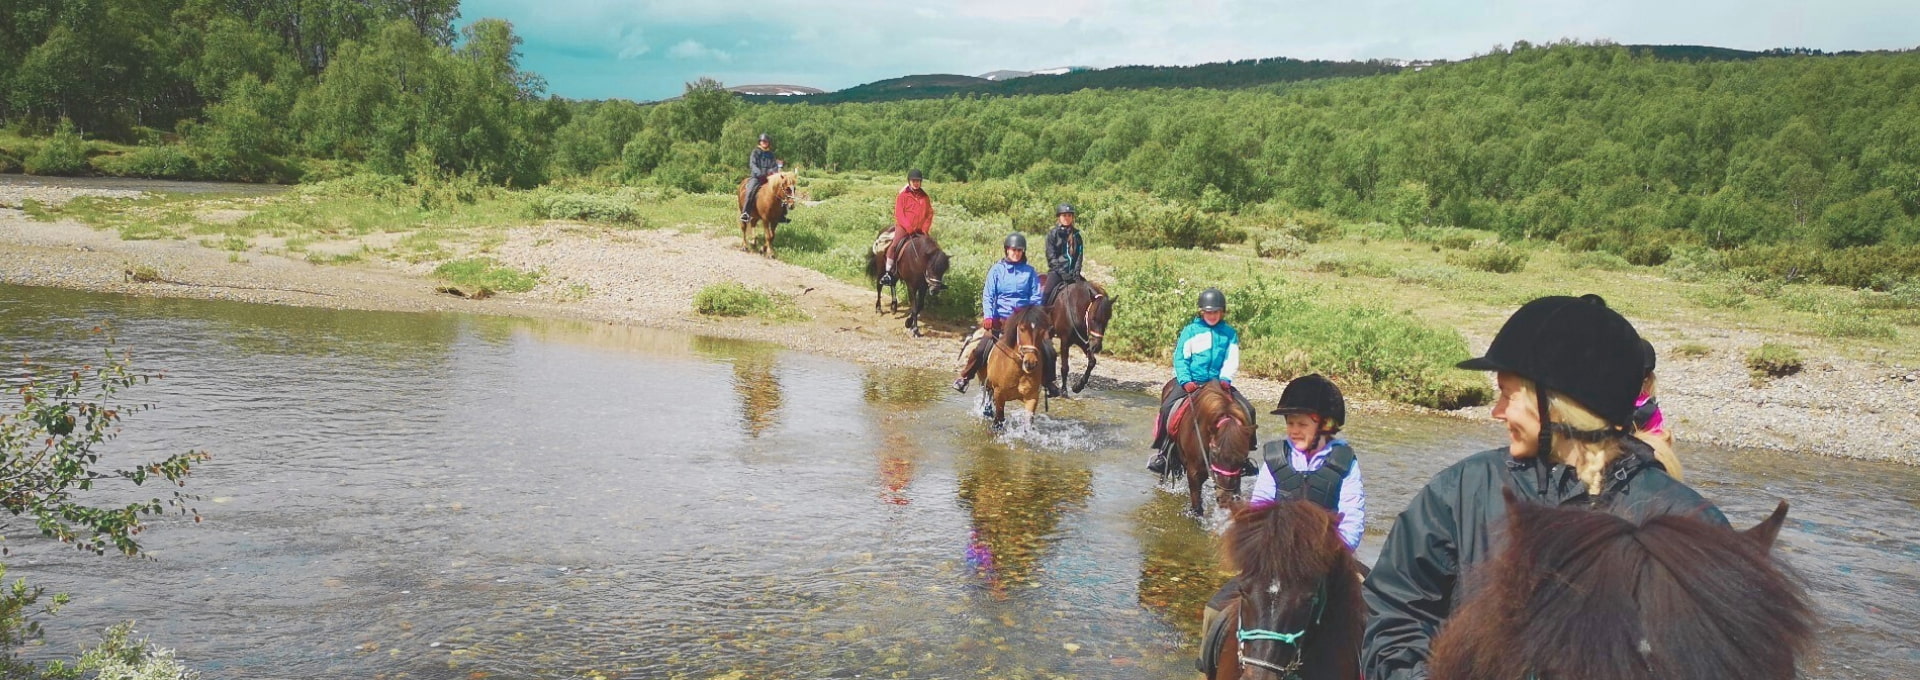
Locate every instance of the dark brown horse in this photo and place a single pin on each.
(1016, 364)
(770, 206)
(1298, 614)
(1080, 312)
(1582, 595)
(922, 265)
(1211, 440)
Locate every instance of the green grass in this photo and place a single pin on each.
(485, 272)
(736, 300)
(1692, 350)
(1772, 360)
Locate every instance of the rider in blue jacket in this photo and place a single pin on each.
(1208, 350)
(1012, 284)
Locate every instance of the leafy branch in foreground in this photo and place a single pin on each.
(52, 423)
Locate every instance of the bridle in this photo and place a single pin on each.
(1243, 635)
(1213, 449)
(1084, 330)
(1026, 351)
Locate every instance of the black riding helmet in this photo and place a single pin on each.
(1575, 346)
(1064, 209)
(1314, 395)
(1015, 240)
(915, 174)
(1212, 300)
(765, 138)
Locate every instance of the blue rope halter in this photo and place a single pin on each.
(1292, 669)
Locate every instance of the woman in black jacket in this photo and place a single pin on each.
(1577, 362)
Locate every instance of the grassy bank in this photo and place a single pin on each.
(1374, 306)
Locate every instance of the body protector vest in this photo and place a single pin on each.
(1321, 487)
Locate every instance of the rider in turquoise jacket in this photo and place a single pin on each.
(1208, 350)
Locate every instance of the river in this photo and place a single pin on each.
(441, 496)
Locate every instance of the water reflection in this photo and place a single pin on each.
(897, 397)
(1016, 500)
(1180, 566)
(754, 381)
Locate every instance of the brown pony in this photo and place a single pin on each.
(769, 207)
(1580, 595)
(922, 265)
(1079, 314)
(1014, 364)
(1298, 615)
(1212, 439)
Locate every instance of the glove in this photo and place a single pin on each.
(987, 324)
(1190, 386)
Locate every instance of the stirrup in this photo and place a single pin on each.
(746, 217)
(960, 384)
(1158, 464)
(886, 279)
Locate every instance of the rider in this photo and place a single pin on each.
(759, 167)
(1649, 423)
(1311, 464)
(912, 214)
(1568, 370)
(1208, 350)
(1065, 253)
(1011, 285)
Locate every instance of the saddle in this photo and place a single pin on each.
(1177, 415)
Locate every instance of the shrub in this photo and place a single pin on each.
(733, 299)
(1695, 264)
(1770, 360)
(1499, 259)
(1159, 225)
(486, 272)
(1718, 296)
(1598, 259)
(992, 197)
(825, 190)
(162, 162)
(1436, 277)
(581, 206)
(63, 154)
(392, 188)
(1360, 265)
(1312, 226)
(9, 163)
(1278, 245)
(1692, 350)
(1852, 325)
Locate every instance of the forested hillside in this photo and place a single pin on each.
(1597, 146)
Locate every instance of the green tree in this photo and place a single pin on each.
(704, 108)
(1863, 221)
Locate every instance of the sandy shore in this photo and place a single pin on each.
(1837, 406)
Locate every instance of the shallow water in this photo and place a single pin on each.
(434, 496)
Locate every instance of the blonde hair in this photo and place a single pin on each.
(1588, 459)
(1661, 442)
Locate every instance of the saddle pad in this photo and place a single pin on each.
(1211, 641)
(1178, 413)
(881, 243)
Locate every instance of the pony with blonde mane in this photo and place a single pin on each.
(770, 206)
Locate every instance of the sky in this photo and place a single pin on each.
(648, 49)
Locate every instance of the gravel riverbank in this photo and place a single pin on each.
(1837, 406)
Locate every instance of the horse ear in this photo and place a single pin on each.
(1764, 533)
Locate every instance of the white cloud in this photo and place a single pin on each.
(691, 49)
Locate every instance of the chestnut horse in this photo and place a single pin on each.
(921, 265)
(1584, 595)
(1297, 614)
(770, 206)
(1079, 313)
(1212, 439)
(1015, 363)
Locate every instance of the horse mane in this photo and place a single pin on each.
(1214, 399)
(1580, 594)
(1296, 544)
(1035, 315)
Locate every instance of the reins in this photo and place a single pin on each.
(1245, 635)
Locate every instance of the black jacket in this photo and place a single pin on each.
(1065, 251)
(763, 164)
(1450, 526)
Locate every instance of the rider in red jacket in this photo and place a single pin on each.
(912, 214)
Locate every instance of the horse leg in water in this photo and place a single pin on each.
(915, 297)
(1066, 369)
(1084, 376)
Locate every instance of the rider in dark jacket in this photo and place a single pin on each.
(1578, 362)
(1065, 254)
(759, 167)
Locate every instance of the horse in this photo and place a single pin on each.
(922, 265)
(1298, 613)
(1015, 369)
(1212, 439)
(1079, 313)
(770, 206)
(1580, 595)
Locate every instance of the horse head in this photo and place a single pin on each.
(1579, 594)
(1099, 312)
(782, 184)
(1027, 332)
(937, 265)
(1294, 576)
(1232, 435)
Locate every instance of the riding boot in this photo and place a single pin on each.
(746, 216)
(886, 275)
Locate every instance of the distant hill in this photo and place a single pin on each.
(776, 90)
(1227, 75)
